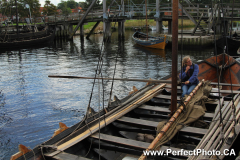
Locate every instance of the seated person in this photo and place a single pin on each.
(188, 76)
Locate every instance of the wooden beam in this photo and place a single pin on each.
(121, 79)
(178, 98)
(109, 119)
(153, 125)
(68, 156)
(129, 142)
(212, 91)
(166, 110)
(139, 80)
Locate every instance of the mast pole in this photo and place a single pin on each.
(146, 18)
(17, 19)
(174, 54)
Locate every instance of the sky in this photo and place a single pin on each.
(55, 2)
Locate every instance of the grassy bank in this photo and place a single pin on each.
(138, 23)
(135, 23)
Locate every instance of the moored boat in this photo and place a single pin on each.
(228, 44)
(150, 41)
(127, 127)
(39, 37)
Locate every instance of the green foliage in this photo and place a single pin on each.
(64, 7)
(49, 8)
(71, 4)
(34, 6)
(66, 11)
(8, 8)
(89, 2)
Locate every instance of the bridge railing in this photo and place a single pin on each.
(139, 10)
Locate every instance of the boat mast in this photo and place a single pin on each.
(146, 18)
(174, 54)
(17, 18)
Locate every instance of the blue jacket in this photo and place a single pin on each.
(194, 78)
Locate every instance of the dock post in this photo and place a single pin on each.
(107, 31)
(169, 27)
(70, 31)
(159, 26)
(121, 29)
(61, 31)
(158, 19)
(81, 32)
(106, 24)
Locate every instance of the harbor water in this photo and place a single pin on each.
(32, 104)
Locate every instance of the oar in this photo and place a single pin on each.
(139, 80)
(121, 79)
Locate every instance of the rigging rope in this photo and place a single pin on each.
(218, 78)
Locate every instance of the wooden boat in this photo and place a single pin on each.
(150, 41)
(232, 44)
(12, 40)
(113, 133)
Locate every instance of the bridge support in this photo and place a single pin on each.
(107, 31)
(121, 29)
(94, 27)
(81, 32)
(159, 26)
(170, 27)
(70, 31)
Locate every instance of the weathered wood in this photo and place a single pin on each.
(214, 129)
(129, 142)
(68, 156)
(153, 125)
(228, 125)
(212, 91)
(92, 30)
(178, 98)
(121, 79)
(172, 119)
(139, 80)
(151, 93)
(166, 110)
(22, 150)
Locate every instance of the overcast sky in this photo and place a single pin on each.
(55, 2)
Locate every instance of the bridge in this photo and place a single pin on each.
(207, 18)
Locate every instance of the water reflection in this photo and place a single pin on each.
(36, 104)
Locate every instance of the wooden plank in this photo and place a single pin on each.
(68, 156)
(212, 91)
(129, 142)
(109, 119)
(153, 124)
(167, 97)
(166, 110)
(178, 98)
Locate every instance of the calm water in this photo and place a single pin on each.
(33, 104)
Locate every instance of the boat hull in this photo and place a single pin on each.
(121, 123)
(28, 40)
(232, 45)
(150, 41)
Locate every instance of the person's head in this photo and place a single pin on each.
(186, 61)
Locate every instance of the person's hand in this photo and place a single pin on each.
(187, 82)
(187, 68)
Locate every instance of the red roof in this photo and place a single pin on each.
(76, 10)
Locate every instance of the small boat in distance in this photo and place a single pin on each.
(150, 41)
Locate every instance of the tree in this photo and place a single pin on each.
(49, 8)
(8, 8)
(65, 9)
(71, 4)
(34, 7)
